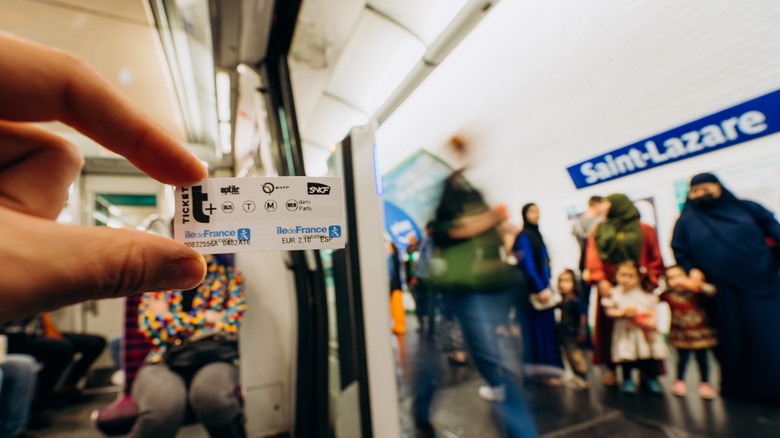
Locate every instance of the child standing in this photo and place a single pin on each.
(636, 341)
(690, 330)
(573, 328)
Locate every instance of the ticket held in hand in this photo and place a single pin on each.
(227, 215)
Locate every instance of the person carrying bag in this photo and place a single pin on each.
(192, 369)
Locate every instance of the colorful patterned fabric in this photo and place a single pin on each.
(222, 291)
(135, 346)
(690, 329)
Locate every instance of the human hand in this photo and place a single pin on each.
(696, 279)
(47, 265)
(544, 296)
(604, 288)
(693, 285)
(159, 307)
(629, 312)
(212, 317)
(501, 213)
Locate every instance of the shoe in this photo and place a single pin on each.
(424, 429)
(609, 378)
(705, 391)
(680, 389)
(653, 387)
(492, 393)
(629, 387)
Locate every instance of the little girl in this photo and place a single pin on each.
(573, 328)
(690, 330)
(636, 341)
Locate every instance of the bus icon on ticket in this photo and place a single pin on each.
(334, 231)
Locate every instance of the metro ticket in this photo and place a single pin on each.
(227, 215)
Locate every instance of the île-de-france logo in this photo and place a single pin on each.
(193, 205)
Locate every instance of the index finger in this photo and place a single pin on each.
(44, 84)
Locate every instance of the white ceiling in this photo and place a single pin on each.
(352, 60)
(118, 38)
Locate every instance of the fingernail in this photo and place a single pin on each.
(184, 273)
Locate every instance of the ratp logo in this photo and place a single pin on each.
(334, 231)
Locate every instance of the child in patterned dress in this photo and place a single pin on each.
(691, 331)
(636, 342)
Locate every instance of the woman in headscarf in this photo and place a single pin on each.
(728, 242)
(621, 237)
(541, 352)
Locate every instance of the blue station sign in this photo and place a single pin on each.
(744, 122)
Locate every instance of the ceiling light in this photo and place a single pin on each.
(223, 96)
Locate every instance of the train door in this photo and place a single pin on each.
(362, 383)
(119, 202)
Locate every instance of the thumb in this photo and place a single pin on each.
(50, 265)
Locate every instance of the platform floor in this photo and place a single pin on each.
(559, 411)
(595, 412)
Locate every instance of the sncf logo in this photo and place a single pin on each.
(318, 189)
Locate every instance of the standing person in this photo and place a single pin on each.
(411, 259)
(723, 240)
(541, 347)
(425, 296)
(477, 286)
(582, 228)
(397, 310)
(619, 238)
(447, 331)
(165, 390)
(636, 341)
(573, 328)
(691, 332)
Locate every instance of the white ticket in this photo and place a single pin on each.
(226, 215)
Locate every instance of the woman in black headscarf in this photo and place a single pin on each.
(541, 352)
(727, 241)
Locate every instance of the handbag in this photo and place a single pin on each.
(464, 266)
(555, 299)
(197, 351)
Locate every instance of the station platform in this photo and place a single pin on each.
(596, 412)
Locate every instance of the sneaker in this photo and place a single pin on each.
(492, 393)
(629, 387)
(609, 378)
(679, 388)
(653, 387)
(705, 391)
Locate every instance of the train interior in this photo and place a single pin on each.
(373, 91)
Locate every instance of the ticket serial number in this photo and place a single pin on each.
(217, 242)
